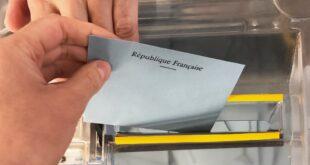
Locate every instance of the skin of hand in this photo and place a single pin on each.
(118, 16)
(38, 119)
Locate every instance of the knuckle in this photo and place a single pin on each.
(93, 80)
(54, 17)
(125, 28)
(65, 52)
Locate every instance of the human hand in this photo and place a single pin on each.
(38, 119)
(118, 16)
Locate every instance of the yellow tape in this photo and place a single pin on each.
(202, 138)
(256, 98)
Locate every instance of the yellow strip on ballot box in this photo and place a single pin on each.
(195, 138)
(209, 138)
(256, 98)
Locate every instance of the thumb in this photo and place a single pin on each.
(17, 14)
(87, 80)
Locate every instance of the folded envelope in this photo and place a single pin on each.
(159, 88)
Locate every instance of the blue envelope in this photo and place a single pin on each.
(158, 88)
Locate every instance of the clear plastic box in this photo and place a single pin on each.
(270, 36)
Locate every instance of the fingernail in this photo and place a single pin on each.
(102, 69)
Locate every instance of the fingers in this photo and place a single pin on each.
(100, 13)
(60, 69)
(72, 8)
(40, 8)
(87, 81)
(63, 61)
(44, 35)
(117, 16)
(66, 52)
(17, 14)
(126, 19)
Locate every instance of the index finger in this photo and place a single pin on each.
(17, 14)
(48, 33)
(100, 13)
(126, 19)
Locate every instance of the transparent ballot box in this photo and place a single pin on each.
(265, 120)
